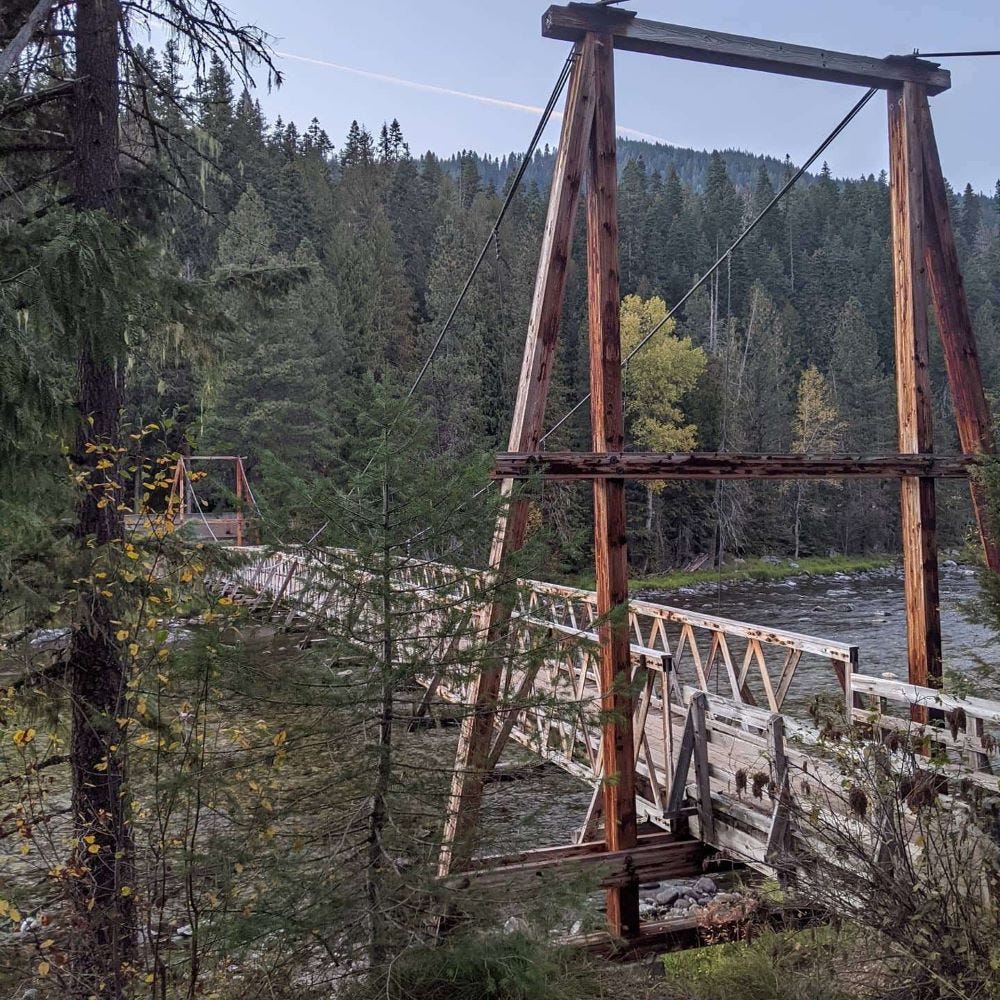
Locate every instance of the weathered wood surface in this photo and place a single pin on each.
(526, 430)
(562, 465)
(559, 625)
(954, 323)
(634, 34)
(607, 422)
(654, 856)
(913, 389)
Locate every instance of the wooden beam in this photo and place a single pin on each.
(633, 34)
(698, 711)
(653, 858)
(913, 390)
(240, 480)
(563, 465)
(954, 323)
(476, 735)
(607, 418)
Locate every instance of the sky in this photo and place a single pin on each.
(429, 63)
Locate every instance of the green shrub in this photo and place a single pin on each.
(805, 965)
(514, 966)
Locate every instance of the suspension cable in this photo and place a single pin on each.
(954, 55)
(845, 121)
(518, 177)
(494, 231)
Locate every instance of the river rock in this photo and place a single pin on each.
(668, 897)
(705, 885)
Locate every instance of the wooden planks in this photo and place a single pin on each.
(913, 391)
(564, 465)
(655, 856)
(474, 747)
(607, 417)
(954, 323)
(633, 34)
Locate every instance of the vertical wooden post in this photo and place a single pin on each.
(526, 431)
(608, 434)
(239, 501)
(951, 309)
(183, 473)
(913, 394)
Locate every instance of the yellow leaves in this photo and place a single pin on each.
(659, 376)
(122, 634)
(101, 766)
(128, 576)
(280, 738)
(817, 424)
(126, 890)
(133, 649)
(22, 737)
(4, 907)
(105, 463)
(186, 576)
(43, 968)
(142, 706)
(269, 833)
(225, 600)
(148, 978)
(94, 849)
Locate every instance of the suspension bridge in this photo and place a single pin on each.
(680, 721)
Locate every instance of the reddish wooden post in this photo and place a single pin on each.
(474, 748)
(239, 501)
(951, 309)
(913, 396)
(182, 473)
(607, 419)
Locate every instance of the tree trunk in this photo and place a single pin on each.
(377, 950)
(105, 939)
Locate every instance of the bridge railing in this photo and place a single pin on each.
(963, 730)
(743, 674)
(551, 694)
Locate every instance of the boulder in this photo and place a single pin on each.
(668, 897)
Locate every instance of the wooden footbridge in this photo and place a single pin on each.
(725, 757)
(673, 716)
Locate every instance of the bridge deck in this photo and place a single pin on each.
(728, 762)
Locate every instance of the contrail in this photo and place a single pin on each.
(496, 102)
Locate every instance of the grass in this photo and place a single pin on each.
(758, 570)
(517, 966)
(791, 965)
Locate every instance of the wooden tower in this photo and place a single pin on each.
(924, 259)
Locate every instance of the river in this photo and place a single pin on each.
(865, 609)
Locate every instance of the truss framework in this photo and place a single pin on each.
(923, 250)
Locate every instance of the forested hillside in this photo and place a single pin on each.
(225, 771)
(796, 329)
